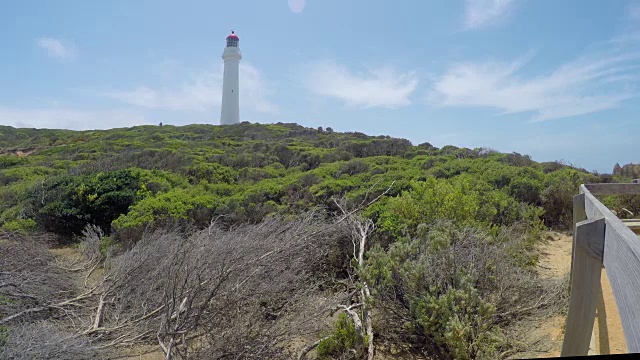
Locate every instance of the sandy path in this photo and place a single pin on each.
(555, 262)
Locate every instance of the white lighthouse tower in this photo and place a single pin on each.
(230, 113)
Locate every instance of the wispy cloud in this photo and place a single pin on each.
(201, 93)
(198, 95)
(255, 91)
(56, 118)
(583, 86)
(379, 87)
(57, 49)
(481, 13)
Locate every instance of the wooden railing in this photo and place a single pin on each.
(602, 240)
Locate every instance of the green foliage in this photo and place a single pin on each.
(459, 320)
(66, 204)
(453, 228)
(7, 300)
(20, 225)
(106, 244)
(427, 202)
(557, 197)
(211, 172)
(4, 334)
(353, 167)
(150, 175)
(340, 341)
(449, 280)
(165, 209)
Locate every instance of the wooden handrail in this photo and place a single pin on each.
(613, 189)
(602, 240)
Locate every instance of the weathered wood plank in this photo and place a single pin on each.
(585, 285)
(579, 214)
(633, 226)
(614, 189)
(622, 260)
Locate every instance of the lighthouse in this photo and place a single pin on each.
(230, 113)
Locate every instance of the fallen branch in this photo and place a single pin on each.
(307, 349)
(58, 306)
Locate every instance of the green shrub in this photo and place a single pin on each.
(526, 190)
(341, 341)
(107, 244)
(428, 202)
(557, 197)
(460, 321)
(4, 334)
(164, 209)
(353, 167)
(65, 205)
(447, 285)
(20, 225)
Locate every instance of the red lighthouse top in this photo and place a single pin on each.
(233, 36)
(232, 40)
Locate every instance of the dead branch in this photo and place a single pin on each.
(361, 206)
(308, 348)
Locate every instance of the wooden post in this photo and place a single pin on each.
(579, 214)
(585, 282)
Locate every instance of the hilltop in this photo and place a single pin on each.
(244, 172)
(283, 222)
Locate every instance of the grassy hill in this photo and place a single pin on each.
(448, 237)
(159, 175)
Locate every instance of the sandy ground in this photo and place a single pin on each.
(555, 262)
(544, 339)
(555, 256)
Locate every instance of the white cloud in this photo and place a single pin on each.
(583, 86)
(481, 13)
(254, 91)
(201, 93)
(296, 6)
(58, 50)
(381, 87)
(55, 118)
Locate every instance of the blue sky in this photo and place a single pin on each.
(555, 79)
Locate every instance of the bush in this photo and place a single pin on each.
(167, 209)
(67, 204)
(353, 167)
(449, 288)
(340, 342)
(459, 320)
(22, 226)
(557, 196)
(525, 190)
(428, 202)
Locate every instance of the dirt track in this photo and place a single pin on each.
(555, 262)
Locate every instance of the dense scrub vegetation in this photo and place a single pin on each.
(129, 180)
(450, 236)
